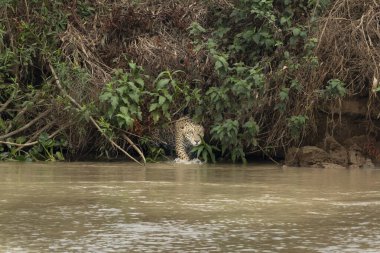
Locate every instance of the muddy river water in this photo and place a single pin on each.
(167, 207)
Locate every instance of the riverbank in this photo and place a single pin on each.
(99, 78)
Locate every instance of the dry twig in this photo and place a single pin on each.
(58, 83)
(10, 99)
(26, 126)
(134, 147)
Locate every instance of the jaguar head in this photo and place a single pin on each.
(194, 134)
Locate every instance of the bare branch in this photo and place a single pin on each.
(10, 99)
(134, 147)
(25, 126)
(93, 121)
(28, 144)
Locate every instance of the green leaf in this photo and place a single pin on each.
(303, 34)
(20, 139)
(153, 107)
(125, 119)
(139, 115)
(59, 156)
(296, 31)
(212, 157)
(196, 29)
(135, 97)
(125, 100)
(167, 115)
(124, 110)
(43, 138)
(284, 94)
(132, 86)
(169, 97)
(156, 116)
(204, 155)
(121, 90)
(140, 82)
(218, 65)
(20, 158)
(132, 65)
(283, 20)
(295, 85)
(105, 96)
(199, 151)
(210, 152)
(161, 100)
(251, 127)
(114, 102)
(162, 83)
(165, 107)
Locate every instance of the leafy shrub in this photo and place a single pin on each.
(257, 47)
(296, 125)
(335, 89)
(122, 97)
(244, 87)
(205, 151)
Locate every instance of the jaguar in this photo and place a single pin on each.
(183, 136)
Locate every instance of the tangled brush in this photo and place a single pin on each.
(349, 45)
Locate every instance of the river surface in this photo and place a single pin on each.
(167, 207)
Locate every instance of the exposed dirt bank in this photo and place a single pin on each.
(354, 141)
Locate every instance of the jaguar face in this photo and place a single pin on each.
(194, 134)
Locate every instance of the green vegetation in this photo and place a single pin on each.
(122, 96)
(81, 78)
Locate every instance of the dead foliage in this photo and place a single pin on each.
(152, 33)
(348, 49)
(349, 44)
(80, 50)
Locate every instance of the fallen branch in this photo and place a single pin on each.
(93, 121)
(134, 147)
(19, 144)
(20, 113)
(10, 99)
(266, 153)
(25, 126)
(28, 144)
(37, 134)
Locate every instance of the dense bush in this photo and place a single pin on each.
(257, 49)
(70, 69)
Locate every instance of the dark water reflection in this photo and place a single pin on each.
(93, 207)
